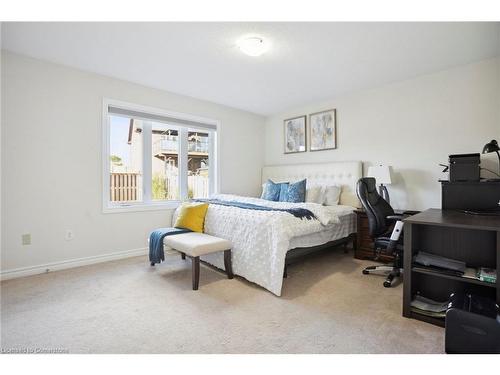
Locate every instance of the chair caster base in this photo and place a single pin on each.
(376, 270)
(367, 270)
(391, 277)
(390, 271)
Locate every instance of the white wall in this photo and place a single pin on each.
(411, 125)
(51, 161)
(51, 122)
(1, 130)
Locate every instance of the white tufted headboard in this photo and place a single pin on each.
(343, 173)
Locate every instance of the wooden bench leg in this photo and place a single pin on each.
(183, 256)
(196, 272)
(227, 264)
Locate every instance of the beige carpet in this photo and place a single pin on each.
(125, 306)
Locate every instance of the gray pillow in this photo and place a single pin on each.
(332, 195)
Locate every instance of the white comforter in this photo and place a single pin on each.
(261, 238)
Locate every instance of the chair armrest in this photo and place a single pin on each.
(410, 212)
(395, 217)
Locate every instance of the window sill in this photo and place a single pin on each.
(171, 205)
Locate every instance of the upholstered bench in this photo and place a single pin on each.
(196, 244)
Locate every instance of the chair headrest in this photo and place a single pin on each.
(371, 184)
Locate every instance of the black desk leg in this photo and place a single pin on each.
(407, 259)
(498, 267)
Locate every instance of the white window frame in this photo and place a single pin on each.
(147, 204)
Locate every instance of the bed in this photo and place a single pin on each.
(344, 174)
(264, 242)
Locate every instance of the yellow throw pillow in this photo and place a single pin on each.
(192, 216)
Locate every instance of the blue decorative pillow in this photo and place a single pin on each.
(271, 191)
(283, 192)
(296, 192)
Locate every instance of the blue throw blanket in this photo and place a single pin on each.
(298, 212)
(156, 254)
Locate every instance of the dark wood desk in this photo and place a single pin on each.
(472, 239)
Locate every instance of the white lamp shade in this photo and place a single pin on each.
(381, 173)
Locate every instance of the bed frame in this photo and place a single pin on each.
(343, 174)
(300, 253)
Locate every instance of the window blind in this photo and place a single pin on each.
(159, 118)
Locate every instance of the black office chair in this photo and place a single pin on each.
(385, 228)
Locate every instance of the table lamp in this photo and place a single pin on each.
(492, 147)
(381, 173)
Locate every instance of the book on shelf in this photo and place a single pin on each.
(440, 314)
(429, 305)
(444, 271)
(488, 275)
(434, 263)
(433, 260)
(471, 273)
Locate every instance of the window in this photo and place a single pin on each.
(155, 159)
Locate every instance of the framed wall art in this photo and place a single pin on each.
(295, 135)
(323, 130)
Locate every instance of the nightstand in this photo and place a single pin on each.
(364, 248)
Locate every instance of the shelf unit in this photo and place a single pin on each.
(428, 319)
(451, 277)
(456, 235)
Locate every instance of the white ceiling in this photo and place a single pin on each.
(307, 62)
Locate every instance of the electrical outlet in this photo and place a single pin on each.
(70, 235)
(26, 239)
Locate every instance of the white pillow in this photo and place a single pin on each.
(331, 195)
(315, 194)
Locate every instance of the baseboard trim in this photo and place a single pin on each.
(72, 263)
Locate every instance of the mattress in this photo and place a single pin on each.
(330, 232)
(261, 238)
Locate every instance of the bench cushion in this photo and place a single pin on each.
(196, 244)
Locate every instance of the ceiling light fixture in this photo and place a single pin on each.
(253, 45)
